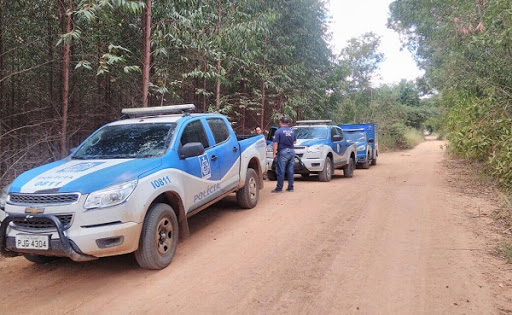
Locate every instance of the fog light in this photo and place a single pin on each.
(110, 242)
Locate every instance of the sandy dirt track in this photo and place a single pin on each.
(398, 238)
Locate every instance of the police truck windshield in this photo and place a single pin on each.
(127, 141)
(306, 132)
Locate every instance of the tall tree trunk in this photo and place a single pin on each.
(242, 96)
(2, 70)
(263, 89)
(100, 98)
(262, 123)
(65, 80)
(50, 44)
(3, 112)
(204, 84)
(147, 53)
(219, 25)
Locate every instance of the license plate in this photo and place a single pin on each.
(31, 241)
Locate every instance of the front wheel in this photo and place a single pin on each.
(247, 196)
(159, 237)
(348, 170)
(326, 174)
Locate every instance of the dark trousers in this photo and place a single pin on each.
(285, 164)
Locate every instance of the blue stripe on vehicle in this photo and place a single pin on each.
(24, 178)
(123, 172)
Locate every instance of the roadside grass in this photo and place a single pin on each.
(474, 177)
(414, 137)
(503, 215)
(399, 137)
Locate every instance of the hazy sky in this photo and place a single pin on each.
(352, 18)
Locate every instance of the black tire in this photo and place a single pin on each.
(326, 174)
(271, 175)
(366, 165)
(247, 197)
(40, 259)
(374, 161)
(159, 238)
(348, 170)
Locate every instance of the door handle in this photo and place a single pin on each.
(214, 158)
(235, 149)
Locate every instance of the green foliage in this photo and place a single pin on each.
(465, 49)
(398, 136)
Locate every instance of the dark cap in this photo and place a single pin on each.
(285, 120)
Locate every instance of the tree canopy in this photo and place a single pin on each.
(69, 66)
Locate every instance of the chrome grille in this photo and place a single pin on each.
(52, 199)
(40, 224)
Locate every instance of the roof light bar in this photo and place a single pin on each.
(314, 122)
(159, 110)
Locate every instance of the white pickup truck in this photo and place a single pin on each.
(130, 187)
(320, 149)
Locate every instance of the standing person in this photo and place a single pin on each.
(257, 130)
(284, 154)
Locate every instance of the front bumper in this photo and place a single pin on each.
(298, 168)
(89, 234)
(58, 247)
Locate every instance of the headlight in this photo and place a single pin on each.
(361, 148)
(3, 196)
(314, 149)
(110, 196)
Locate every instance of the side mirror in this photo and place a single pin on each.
(191, 149)
(336, 138)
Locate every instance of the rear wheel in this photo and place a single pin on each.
(40, 259)
(159, 237)
(326, 174)
(374, 161)
(271, 175)
(247, 196)
(348, 170)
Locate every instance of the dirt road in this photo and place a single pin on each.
(395, 239)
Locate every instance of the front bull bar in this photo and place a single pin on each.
(67, 248)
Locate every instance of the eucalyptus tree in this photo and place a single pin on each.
(360, 60)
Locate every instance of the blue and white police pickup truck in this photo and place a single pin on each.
(320, 149)
(364, 149)
(130, 187)
(370, 146)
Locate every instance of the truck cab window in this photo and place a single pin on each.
(219, 129)
(194, 132)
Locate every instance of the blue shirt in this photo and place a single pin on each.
(285, 137)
